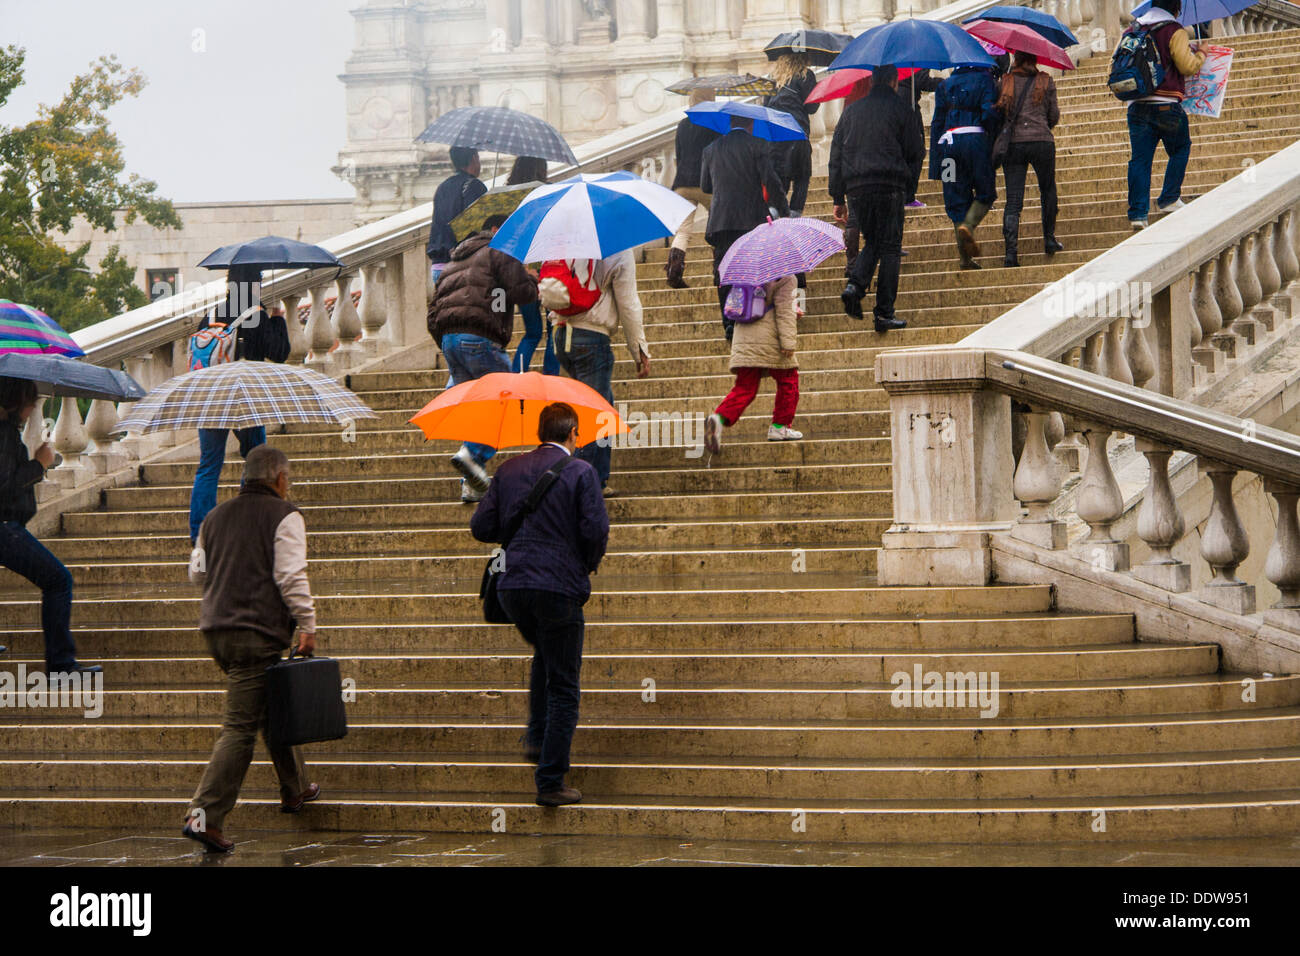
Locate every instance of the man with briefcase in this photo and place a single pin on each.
(251, 558)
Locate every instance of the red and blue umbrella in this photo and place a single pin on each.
(28, 331)
(779, 248)
(1044, 24)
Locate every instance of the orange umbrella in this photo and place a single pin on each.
(501, 410)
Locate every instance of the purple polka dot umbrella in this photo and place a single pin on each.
(780, 248)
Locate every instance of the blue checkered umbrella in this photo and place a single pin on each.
(499, 130)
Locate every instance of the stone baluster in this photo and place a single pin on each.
(298, 345)
(1270, 277)
(347, 325)
(1287, 265)
(1114, 362)
(1290, 239)
(1209, 320)
(1160, 524)
(1228, 297)
(1248, 284)
(374, 312)
(1137, 350)
(1074, 15)
(320, 333)
(1100, 504)
(1283, 564)
(1224, 545)
(35, 432)
(70, 441)
(135, 445)
(1037, 484)
(107, 455)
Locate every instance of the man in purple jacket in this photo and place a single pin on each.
(546, 582)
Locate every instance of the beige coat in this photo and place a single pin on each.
(759, 344)
(618, 305)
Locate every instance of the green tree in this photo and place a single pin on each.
(64, 164)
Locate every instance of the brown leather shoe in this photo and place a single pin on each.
(211, 838)
(675, 267)
(559, 798)
(308, 795)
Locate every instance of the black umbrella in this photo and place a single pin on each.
(69, 378)
(732, 84)
(271, 252)
(499, 130)
(820, 46)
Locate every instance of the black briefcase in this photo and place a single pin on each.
(305, 701)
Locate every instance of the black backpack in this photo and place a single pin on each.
(1135, 67)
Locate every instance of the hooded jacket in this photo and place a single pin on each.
(1176, 56)
(619, 304)
(478, 292)
(758, 344)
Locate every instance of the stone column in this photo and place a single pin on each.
(869, 13)
(532, 17)
(952, 469)
(631, 18)
(672, 17)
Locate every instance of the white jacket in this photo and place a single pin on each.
(619, 304)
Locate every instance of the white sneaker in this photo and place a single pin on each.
(713, 426)
(1138, 224)
(783, 433)
(1176, 204)
(471, 470)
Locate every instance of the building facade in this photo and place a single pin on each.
(588, 67)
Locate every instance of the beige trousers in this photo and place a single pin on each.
(697, 220)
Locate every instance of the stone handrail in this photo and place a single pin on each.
(951, 417)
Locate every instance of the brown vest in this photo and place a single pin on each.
(239, 554)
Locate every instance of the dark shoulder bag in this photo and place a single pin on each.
(493, 612)
(1002, 145)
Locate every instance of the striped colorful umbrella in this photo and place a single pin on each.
(28, 331)
(245, 395)
(778, 248)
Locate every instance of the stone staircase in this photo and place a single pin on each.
(739, 655)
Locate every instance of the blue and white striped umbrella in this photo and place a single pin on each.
(591, 217)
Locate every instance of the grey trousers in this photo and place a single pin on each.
(244, 657)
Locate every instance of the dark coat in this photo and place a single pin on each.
(19, 475)
(967, 98)
(478, 292)
(266, 340)
(875, 145)
(1034, 122)
(560, 544)
(692, 140)
(734, 170)
(453, 197)
(791, 99)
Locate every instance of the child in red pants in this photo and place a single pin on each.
(763, 347)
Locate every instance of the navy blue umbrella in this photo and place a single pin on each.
(924, 44)
(1044, 24)
(771, 125)
(70, 378)
(499, 130)
(271, 252)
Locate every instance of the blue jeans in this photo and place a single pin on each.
(553, 624)
(1150, 124)
(589, 359)
(21, 553)
(533, 327)
(212, 458)
(470, 357)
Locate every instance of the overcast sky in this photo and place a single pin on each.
(274, 61)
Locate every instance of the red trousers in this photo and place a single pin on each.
(746, 388)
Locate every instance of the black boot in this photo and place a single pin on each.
(1051, 245)
(852, 299)
(1010, 239)
(676, 266)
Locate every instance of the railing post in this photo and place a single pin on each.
(1171, 321)
(1288, 264)
(1224, 545)
(1246, 325)
(298, 346)
(347, 324)
(1228, 296)
(1210, 320)
(1160, 524)
(320, 333)
(1100, 504)
(70, 441)
(1270, 275)
(952, 468)
(1283, 564)
(407, 285)
(373, 308)
(108, 455)
(1036, 485)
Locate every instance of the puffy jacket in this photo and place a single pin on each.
(759, 344)
(875, 145)
(478, 292)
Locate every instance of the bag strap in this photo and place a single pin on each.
(1020, 103)
(534, 498)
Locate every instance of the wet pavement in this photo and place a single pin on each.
(54, 848)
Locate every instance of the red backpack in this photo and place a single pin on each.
(568, 286)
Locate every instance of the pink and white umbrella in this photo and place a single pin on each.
(1017, 38)
(780, 248)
